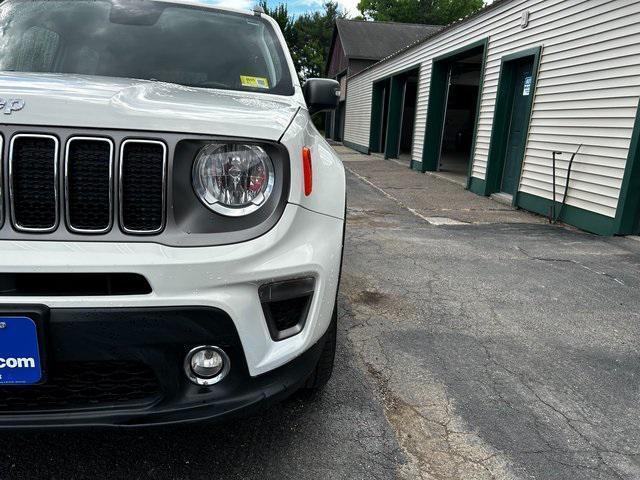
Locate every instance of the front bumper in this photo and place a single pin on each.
(204, 295)
(157, 338)
(302, 244)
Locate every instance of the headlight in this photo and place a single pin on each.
(233, 179)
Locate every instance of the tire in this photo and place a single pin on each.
(322, 373)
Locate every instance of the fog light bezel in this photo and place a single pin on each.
(202, 381)
(287, 290)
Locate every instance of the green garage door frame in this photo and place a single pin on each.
(376, 115)
(501, 119)
(438, 101)
(396, 82)
(394, 122)
(628, 213)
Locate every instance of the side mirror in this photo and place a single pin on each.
(321, 94)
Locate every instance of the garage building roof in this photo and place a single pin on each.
(376, 40)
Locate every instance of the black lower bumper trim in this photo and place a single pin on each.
(159, 338)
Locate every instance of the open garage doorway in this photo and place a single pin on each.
(452, 117)
(393, 114)
(460, 116)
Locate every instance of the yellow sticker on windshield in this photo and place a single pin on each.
(254, 82)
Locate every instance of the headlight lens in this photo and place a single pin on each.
(233, 179)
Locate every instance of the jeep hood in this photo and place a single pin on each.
(116, 103)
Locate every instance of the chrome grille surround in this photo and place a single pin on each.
(67, 182)
(15, 222)
(162, 224)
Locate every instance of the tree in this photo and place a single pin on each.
(308, 35)
(433, 12)
(281, 15)
(313, 39)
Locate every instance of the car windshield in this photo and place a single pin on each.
(183, 44)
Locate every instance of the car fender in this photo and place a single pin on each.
(328, 195)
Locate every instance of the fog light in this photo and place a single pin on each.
(206, 365)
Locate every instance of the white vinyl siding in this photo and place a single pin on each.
(587, 91)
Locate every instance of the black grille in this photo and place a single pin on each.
(142, 172)
(286, 314)
(89, 174)
(33, 182)
(85, 385)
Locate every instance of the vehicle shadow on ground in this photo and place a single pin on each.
(234, 449)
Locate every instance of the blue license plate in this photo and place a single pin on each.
(19, 352)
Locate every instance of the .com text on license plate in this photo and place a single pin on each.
(19, 351)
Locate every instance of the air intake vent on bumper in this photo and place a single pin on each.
(286, 306)
(85, 385)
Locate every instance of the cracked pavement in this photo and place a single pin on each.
(499, 347)
(502, 347)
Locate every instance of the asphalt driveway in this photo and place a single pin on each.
(476, 342)
(502, 347)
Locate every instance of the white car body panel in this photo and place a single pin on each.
(328, 195)
(306, 241)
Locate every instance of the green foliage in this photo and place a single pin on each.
(433, 12)
(308, 36)
(281, 15)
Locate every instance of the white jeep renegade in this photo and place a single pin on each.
(172, 223)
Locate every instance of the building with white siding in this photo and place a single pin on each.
(492, 97)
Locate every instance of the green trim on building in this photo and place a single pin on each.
(435, 117)
(502, 117)
(394, 122)
(628, 212)
(477, 119)
(356, 147)
(417, 166)
(476, 185)
(583, 219)
(436, 109)
(375, 128)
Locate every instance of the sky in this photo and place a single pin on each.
(296, 7)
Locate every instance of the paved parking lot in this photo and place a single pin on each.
(491, 346)
(501, 350)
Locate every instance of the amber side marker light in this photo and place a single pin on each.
(308, 171)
